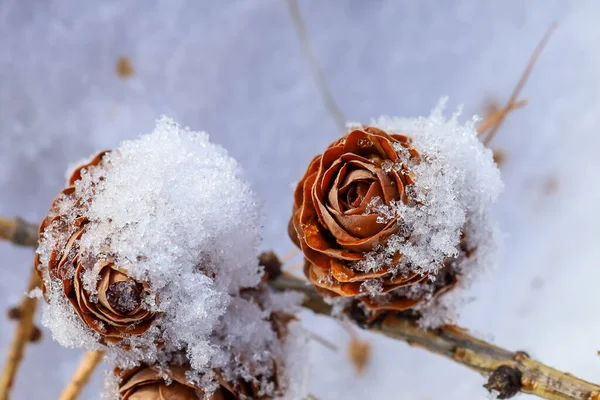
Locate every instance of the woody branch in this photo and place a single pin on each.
(21, 233)
(18, 231)
(508, 372)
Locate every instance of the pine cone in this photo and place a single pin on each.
(148, 382)
(144, 383)
(114, 309)
(334, 226)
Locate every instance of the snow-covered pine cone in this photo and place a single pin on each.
(111, 305)
(150, 382)
(336, 224)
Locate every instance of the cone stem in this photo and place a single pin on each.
(82, 375)
(508, 372)
(20, 339)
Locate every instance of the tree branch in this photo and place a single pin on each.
(18, 231)
(20, 339)
(509, 372)
(82, 375)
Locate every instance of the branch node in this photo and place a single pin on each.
(271, 263)
(506, 381)
(14, 313)
(460, 353)
(529, 385)
(593, 396)
(36, 335)
(521, 355)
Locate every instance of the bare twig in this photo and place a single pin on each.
(496, 115)
(509, 372)
(18, 231)
(513, 97)
(323, 342)
(82, 375)
(20, 339)
(315, 68)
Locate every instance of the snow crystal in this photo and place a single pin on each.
(456, 181)
(172, 210)
(34, 293)
(111, 386)
(294, 363)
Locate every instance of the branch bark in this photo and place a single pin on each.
(509, 372)
(20, 339)
(18, 231)
(82, 375)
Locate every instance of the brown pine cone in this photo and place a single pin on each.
(334, 227)
(145, 383)
(115, 310)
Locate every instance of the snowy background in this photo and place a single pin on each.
(236, 70)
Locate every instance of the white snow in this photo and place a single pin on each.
(455, 183)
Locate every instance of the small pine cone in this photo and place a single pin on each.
(147, 382)
(114, 309)
(335, 227)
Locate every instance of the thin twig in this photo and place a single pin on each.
(289, 256)
(82, 375)
(323, 342)
(18, 231)
(20, 338)
(513, 97)
(496, 115)
(458, 345)
(315, 68)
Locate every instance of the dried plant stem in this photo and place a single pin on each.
(517, 90)
(458, 345)
(82, 375)
(20, 339)
(18, 231)
(498, 115)
(315, 68)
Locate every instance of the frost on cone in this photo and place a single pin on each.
(150, 254)
(113, 306)
(394, 214)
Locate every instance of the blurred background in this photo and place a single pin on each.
(80, 76)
